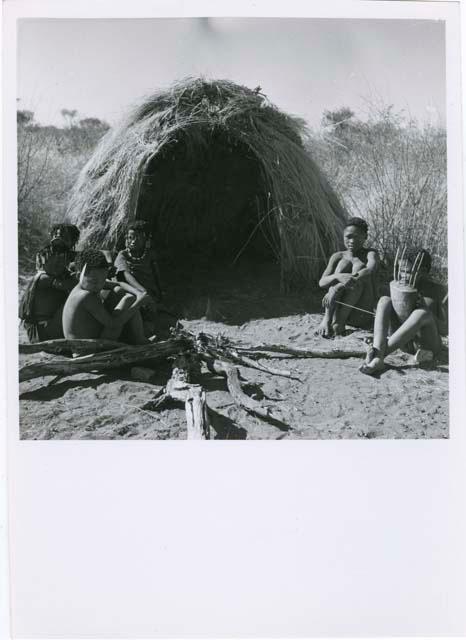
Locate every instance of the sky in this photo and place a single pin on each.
(304, 66)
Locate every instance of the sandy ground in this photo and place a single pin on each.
(331, 400)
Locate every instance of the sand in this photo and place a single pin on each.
(332, 400)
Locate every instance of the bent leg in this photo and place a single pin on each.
(124, 303)
(421, 322)
(350, 297)
(375, 356)
(325, 327)
(329, 302)
(134, 330)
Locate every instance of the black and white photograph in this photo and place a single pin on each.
(234, 310)
(232, 229)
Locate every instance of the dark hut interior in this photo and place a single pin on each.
(204, 197)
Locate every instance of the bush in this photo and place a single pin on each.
(391, 171)
(49, 160)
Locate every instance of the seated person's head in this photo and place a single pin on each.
(63, 237)
(414, 259)
(92, 267)
(355, 234)
(137, 236)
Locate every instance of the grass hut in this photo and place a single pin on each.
(219, 172)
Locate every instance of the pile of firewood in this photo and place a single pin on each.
(188, 351)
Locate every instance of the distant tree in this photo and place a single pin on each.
(339, 119)
(24, 118)
(70, 116)
(93, 123)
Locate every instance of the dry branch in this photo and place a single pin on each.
(106, 360)
(306, 353)
(197, 420)
(79, 346)
(242, 399)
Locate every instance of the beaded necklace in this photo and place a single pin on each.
(136, 258)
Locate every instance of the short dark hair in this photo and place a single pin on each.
(71, 229)
(426, 262)
(93, 258)
(139, 226)
(357, 222)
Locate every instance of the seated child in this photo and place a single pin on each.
(85, 314)
(137, 266)
(42, 303)
(350, 279)
(420, 333)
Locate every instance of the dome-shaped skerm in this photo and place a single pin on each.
(216, 169)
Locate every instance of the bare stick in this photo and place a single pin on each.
(394, 264)
(249, 404)
(82, 346)
(247, 362)
(418, 270)
(401, 261)
(412, 277)
(371, 313)
(106, 360)
(305, 353)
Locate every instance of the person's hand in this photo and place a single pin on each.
(327, 298)
(347, 279)
(142, 297)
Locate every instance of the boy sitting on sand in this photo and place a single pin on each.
(86, 316)
(420, 333)
(42, 303)
(349, 277)
(137, 266)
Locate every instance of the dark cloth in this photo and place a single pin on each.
(45, 329)
(143, 269)
(55, 263)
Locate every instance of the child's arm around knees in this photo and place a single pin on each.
(116, 319)
(330, 278)
(369, 269)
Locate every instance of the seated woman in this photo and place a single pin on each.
(350, 280)
(420, 333)
(86, 315)
(42, 303)
(137, 266)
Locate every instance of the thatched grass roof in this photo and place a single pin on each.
(302, 213)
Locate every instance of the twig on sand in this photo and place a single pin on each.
(231, 373)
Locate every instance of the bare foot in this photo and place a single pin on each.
(376, 365)
(372, 353)
(338, 329)
(324, 329)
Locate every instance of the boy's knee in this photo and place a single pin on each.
(384, 302)
(424, 315)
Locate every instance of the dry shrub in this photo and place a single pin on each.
(49, 160)
(392, 171)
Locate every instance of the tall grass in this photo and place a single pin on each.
(49, 161)
(392, 171)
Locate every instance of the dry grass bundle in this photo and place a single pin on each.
(295, 206)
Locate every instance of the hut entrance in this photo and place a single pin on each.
(203, 196)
